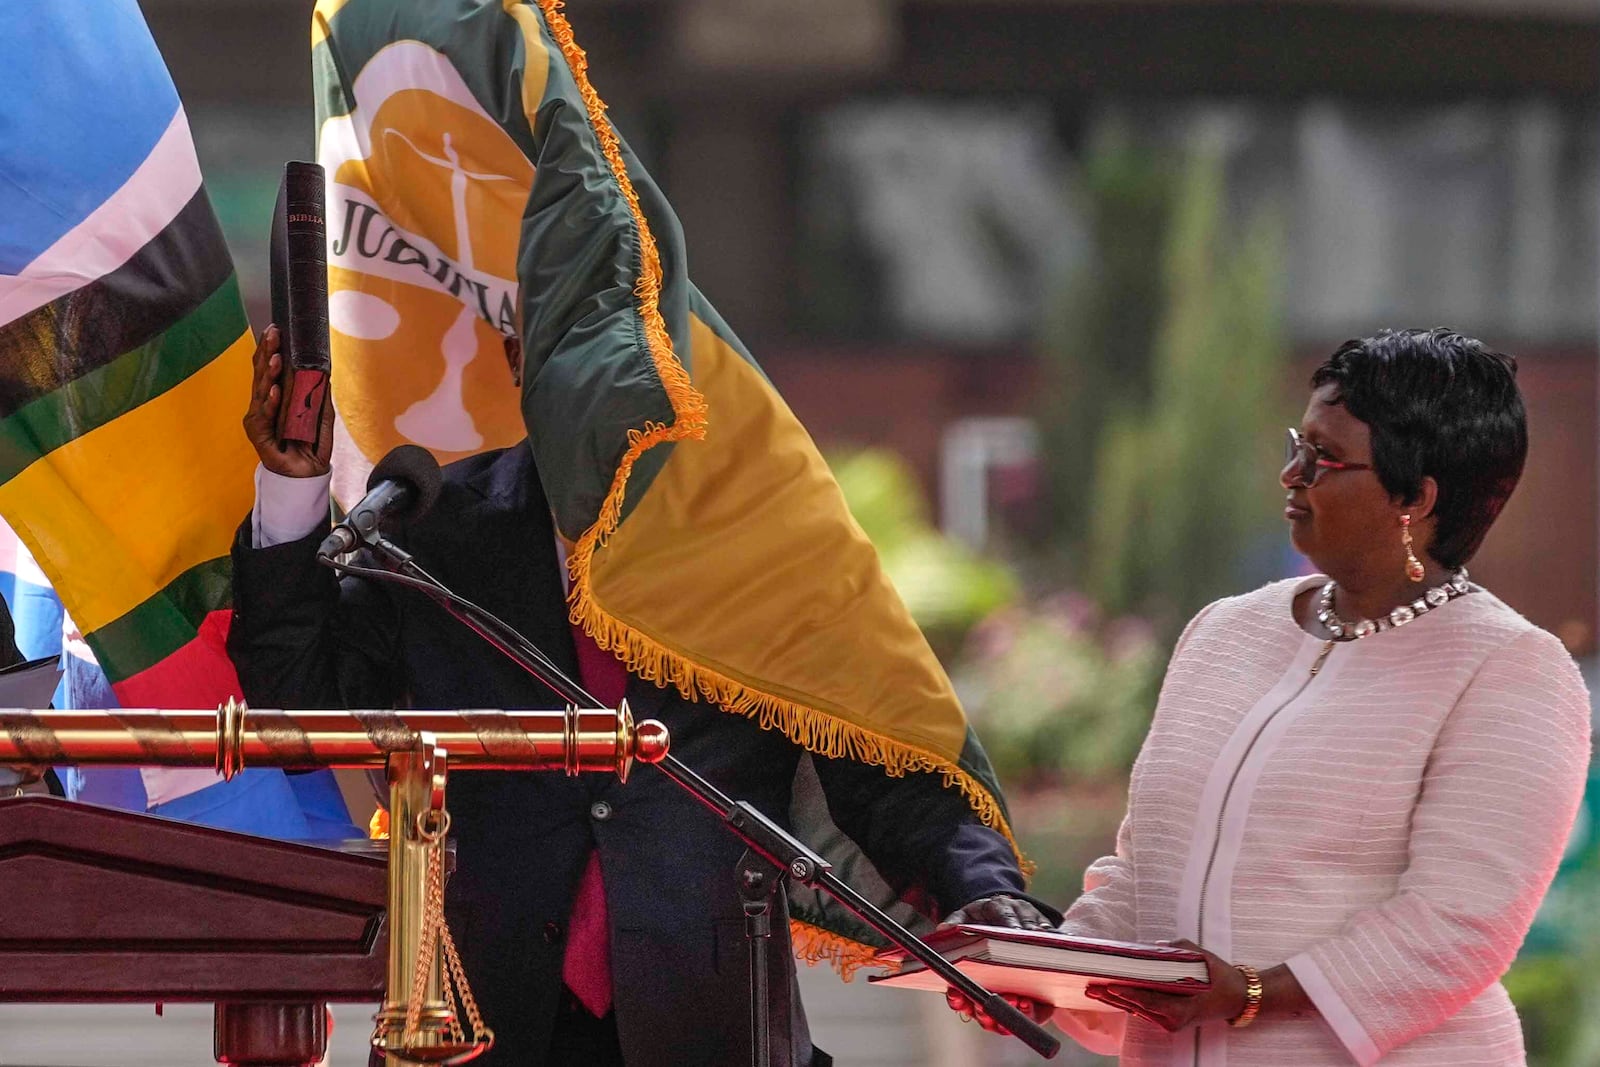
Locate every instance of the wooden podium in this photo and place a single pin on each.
(104, 905)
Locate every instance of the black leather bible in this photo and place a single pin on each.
(300, 302)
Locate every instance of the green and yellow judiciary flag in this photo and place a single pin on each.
(477, 188)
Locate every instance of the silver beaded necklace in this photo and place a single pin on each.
(1438, 596)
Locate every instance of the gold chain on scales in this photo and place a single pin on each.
(432, 826)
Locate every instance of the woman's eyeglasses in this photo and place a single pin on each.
(1304, 465)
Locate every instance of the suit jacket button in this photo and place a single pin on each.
(553, 933)
(600, 811)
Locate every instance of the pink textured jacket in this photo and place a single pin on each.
(1386, 826)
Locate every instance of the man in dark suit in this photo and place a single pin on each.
(11, 777)
(10, 656)
(675, 943)
(9, 653)
(15, 776)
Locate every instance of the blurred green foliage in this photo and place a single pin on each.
(1161, 367)
(1099, 334)
(1056, 694)
(1060, 697)
(1162, 382)
(947, 586)
(1552, 982)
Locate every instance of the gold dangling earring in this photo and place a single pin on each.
(1414, 569)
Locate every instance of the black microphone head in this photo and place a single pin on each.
(415, 466)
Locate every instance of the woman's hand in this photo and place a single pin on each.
(1175, 1011)
(261, 419)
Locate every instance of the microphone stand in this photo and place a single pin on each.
(758, 883)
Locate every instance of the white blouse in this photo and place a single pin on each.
(1387, 826)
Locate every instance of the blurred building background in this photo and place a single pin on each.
(1047, 278)
(891, 199)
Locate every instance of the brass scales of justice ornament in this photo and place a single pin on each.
(427, 993)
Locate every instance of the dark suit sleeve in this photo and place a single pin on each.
(9, 653)
(917, 832)
(301, 639)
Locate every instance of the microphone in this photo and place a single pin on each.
(404, 485)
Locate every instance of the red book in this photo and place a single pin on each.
(1048, 966)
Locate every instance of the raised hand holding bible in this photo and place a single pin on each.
(294, 459)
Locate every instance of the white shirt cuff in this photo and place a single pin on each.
(287, 509)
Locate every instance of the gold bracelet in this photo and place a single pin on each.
(1252, 996)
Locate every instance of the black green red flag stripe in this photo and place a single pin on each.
(124, 350)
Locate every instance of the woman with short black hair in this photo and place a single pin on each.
(1357, 786)
(1442, 406)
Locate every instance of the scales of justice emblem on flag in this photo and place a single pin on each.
(421, 265)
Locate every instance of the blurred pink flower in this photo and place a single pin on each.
(1130, 635)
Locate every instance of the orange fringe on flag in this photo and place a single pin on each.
(814, 945)
(812, 730)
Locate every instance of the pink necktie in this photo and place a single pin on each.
(586, 965)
